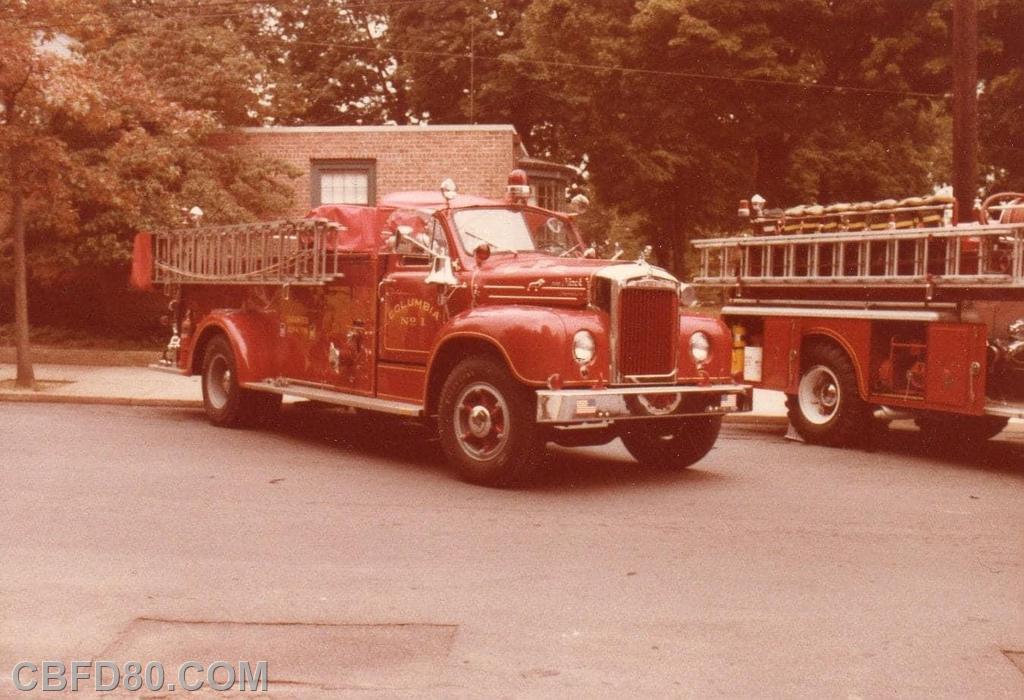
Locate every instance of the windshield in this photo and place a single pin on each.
(515, 230)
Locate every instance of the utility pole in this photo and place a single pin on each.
(965, 106)
(472, 70)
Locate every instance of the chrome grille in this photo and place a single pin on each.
(647, 330)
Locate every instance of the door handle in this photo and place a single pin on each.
(380, 287)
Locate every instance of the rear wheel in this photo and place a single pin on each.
(827, 408)
(671, 444)
(226, 403)
(949, 429)
(486, 423)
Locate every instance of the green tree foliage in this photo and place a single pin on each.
(327, 62)
(458, 60)
(1001, 102)
(109, 136)
(722, 99)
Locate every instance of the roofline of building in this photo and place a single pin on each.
(538, 164)
(389, 128)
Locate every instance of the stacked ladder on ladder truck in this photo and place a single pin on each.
(903, 251)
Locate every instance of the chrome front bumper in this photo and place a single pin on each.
(566, 406)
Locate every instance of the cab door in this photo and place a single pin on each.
(410, 316)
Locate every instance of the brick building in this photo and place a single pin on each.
(358, 164)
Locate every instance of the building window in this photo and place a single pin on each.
(547, 193)
(343, 182)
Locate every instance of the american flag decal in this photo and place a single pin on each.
(586, 407)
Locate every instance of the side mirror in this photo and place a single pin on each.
(401, 232)
(441, 272)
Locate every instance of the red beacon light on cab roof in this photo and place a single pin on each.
(518, 187)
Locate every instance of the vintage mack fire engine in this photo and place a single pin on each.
(879, 307)
(490, 320)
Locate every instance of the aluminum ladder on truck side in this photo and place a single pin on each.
(962, 257)
(299, 252)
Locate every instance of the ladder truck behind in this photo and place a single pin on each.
(852, 308)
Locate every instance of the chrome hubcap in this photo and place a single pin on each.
(481, 421)
(819, 395)
(218, 382)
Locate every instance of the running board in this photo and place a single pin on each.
(398, 408)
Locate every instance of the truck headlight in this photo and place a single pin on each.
(687, 295)
(700, 347)
(584, 347)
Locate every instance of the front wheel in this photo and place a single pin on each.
(827, 408)
(672, 444)
(487, 425)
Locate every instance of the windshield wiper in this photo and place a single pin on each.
(494, 246)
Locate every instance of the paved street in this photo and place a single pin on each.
(349, 559)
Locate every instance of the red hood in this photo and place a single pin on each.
(541, 278)
(532, 265)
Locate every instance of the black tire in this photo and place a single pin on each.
(487, 425)
(828, 409)
(671, 444)
(226, 403)
(949, 430)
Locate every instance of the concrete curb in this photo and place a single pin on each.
(99, 400)
(755, 419)
(91, 357)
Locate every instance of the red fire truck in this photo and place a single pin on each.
(852, 309)
(490, 320)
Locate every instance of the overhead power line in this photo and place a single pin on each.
(692, 75)
(594, 67)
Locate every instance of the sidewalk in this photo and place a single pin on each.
(140, 386)
(126, 386)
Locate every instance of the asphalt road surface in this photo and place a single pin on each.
(346, 556)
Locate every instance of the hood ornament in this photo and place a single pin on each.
(536, 285)
(645, 266)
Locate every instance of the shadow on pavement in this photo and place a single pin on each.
(411, 445)
(585, 468)
(1002, 455)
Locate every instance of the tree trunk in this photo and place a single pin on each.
(26, 377)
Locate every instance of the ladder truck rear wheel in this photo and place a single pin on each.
(827, 408)
(226, 403)
(486, 422)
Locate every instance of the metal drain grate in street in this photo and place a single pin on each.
(403, 656)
